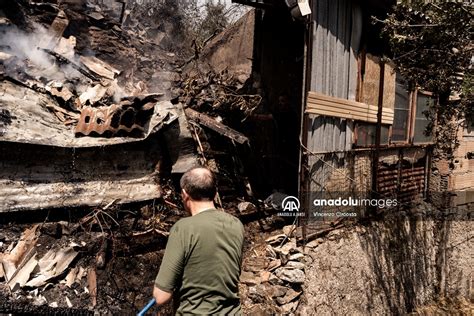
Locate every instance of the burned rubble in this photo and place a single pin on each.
(96, 121)
(91, 97)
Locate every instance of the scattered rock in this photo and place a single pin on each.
(255, 264)
(277, 291)
(265, 276)
(270, 252)
(290, 296)
(291, 275)
(308, 260)
(296, 257)
(249, 278)
(275, 200)
(257, 310)
(277, 239)
(295, 265)
(96, 16)
(289, 247)
(257, 293)
(275, 280)
(289, 308)
(274, 264)
(314, 243)
(68, 302)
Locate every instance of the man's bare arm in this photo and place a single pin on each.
(161, 297)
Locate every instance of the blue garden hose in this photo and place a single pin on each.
(147, 307)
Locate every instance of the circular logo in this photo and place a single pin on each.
(290, 204)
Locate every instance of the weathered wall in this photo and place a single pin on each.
(390, 267)
(371, 82)
(456, 176)
(232, 49)
(463, 172)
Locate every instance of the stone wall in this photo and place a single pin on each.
(392, 266)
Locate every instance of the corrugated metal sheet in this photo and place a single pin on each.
(336, 40)
(407, 183)
(337, 32)
(329, 134)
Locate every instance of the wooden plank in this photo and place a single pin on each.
(99, 67)
(312, 102)
(329, 106)
(181, 145)
(317, 106)
(326, 110)
(352, 116)
(55, 31)
(320, 96)
(343, 103)
(218, 127)
(338, 113)
(365, 109)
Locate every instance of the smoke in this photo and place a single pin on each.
(29, 58)
(26, 45)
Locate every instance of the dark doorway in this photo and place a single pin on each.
(274, 128)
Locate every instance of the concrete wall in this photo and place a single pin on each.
(463, 172)
(456, 176)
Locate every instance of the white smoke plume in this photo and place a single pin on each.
(30, 58)
(26, 45)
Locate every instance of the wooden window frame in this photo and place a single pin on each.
(413, 116)
(410, 138)
(410, 123)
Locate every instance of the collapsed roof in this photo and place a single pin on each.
(82, 104)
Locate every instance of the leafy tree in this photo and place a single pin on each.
(432, 46)
(209, 20)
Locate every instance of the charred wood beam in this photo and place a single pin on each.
(122, 11)
(140, 243)
(32, 86)
(64, 60)
(219, 128)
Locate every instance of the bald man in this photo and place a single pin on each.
(204, 252)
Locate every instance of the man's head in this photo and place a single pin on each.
(198, 185)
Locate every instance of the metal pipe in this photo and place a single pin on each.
(145, 309)
(304, 177)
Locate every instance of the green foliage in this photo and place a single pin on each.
(208, 21)
(189, 22)
(432, 47)
(431, 44)
(215, 20)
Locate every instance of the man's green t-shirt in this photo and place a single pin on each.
(202, 262)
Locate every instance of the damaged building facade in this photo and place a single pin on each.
(362, 136)
(363, 132)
